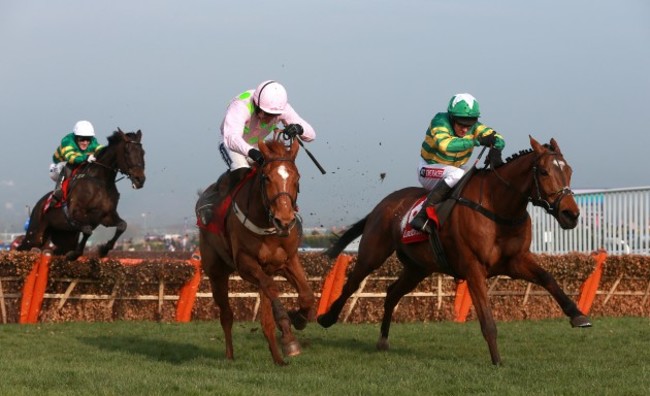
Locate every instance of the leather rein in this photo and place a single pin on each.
(536, 199)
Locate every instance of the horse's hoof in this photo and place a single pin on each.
(325, 321)
(382, 344)
(72, 256)
(103, 251)
(291, 349)
(580, 321)
(298, 320)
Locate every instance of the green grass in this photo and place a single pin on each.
(146, 358)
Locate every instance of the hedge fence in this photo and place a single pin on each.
(147, 287)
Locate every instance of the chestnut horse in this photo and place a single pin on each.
(259, 239)
(488, 233)
(91, 199)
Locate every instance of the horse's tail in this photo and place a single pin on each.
(344, 240)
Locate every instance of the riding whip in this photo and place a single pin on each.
(320, 168)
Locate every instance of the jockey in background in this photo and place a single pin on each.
(250, 117)
(76, 147)
(448, 145)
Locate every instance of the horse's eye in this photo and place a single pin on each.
(543, 172)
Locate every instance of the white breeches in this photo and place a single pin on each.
(430, 174)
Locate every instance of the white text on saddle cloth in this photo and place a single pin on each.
(410, 234)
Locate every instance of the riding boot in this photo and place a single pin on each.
(436, 195)
(57, 195)
(236, 176)
(232, 179)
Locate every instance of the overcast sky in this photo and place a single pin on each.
(368, 75)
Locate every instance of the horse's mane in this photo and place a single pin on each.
(114, 139)
(518, 155)
(524, 152)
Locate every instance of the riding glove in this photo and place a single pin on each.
(91, 158)
(487, 140)
(293, 129)
(256, 156)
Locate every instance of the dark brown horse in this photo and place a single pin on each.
(488, 233)
(259, 238)
(91, 200)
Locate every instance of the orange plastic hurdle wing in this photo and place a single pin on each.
(589, 288)
(333, 284)
(187, 295)
(462, 303)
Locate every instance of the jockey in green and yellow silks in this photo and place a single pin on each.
(447, 146)
(76, 147)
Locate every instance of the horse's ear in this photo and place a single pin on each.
(538, 148)
(119, 130)
(264, 149)
(293, 151)
(555, 146)
(138, 135)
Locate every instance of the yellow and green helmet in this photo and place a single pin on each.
(463, 105)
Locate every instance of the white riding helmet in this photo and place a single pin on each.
(271, 97)
(83, 128)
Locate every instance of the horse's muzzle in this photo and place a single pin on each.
(568, 219)
(284, 227)
(137, 182)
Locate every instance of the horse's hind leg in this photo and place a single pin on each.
(410, 277)
(218, 274)
(526, 268)
(368, 260)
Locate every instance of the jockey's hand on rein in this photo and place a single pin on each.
(493, 158)
(487, 140)
(256, 156)
(91, 158)
(293, 130)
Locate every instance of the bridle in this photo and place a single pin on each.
(554, 207)
(267, 201)
(535, 196)
(129, 168)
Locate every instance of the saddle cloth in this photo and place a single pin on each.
(410, 234)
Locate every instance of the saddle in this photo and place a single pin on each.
(438, 215)
(218, 199)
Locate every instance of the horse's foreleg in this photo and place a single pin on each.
(268, 328)
(407, 281)
(295, 274)
(526, 268)
(478, 290)
(251, 271)
(87, 231)
(120, 227)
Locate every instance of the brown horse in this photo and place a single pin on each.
(488, 233)
(91, 200)
(259, 238)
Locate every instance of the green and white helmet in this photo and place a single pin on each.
(463, 105)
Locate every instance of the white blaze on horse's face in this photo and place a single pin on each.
(282, 171)
(560, 163)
